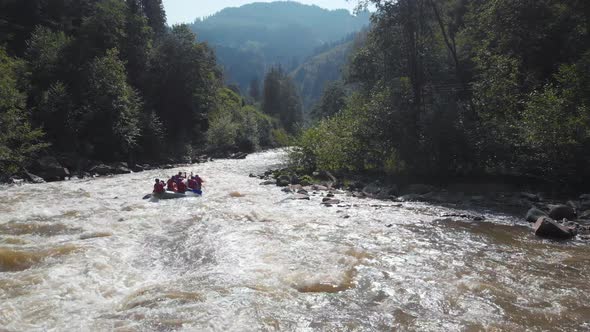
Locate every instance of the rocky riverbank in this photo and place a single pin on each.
(558, 219)
(51, 168)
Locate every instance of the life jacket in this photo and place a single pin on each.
(159, 188)
(192, 183)
(181, 187)
(171, 185)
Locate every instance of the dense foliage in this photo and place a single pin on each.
(109, 80)
(455, 87)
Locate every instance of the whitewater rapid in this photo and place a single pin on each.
(92, 255)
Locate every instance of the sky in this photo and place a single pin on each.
(186, 11)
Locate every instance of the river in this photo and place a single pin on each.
(91, 255)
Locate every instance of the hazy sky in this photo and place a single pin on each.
(183, 11)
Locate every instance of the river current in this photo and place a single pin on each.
(92, 255)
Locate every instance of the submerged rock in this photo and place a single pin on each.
(558, 212)
(547, 228)
(534, 214)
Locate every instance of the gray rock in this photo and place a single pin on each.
(301, 196)
(16, 181)
(34, 178)
(419, 189)
(558, 212)
(102, 169)
(372, 190)
(295, 180)
(330, 201)
(574, 205)
(267, 182)
(410, 198)
(50, 169)
(283, 183)
(585, 215)
(302, 191)
(319, 187)
(359, 195)
(534, 214)
(547, 228)
(120, 168)
(529, 196)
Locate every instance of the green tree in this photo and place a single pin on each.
(18, 140)
(156, 16)
(281, 99)
(333, 101)
(111, 109)
(183, 80)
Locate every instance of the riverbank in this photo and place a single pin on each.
(51, 168)
(550, 216)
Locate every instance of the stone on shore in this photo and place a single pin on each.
(419, 189)
(102, 169)
(530, 197)
(34, 178)
(559, 212)
(283, 181)
(50, 169)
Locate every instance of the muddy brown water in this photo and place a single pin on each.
(91, 255)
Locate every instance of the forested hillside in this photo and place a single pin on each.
(457, 87)
(108, 80)
(250, 39)
(327, 64)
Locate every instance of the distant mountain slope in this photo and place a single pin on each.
(251, 38)
(313, 74)
(326, 65)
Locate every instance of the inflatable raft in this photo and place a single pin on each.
(174, 195)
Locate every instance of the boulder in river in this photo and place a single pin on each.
(534, 214)
(547, 228)
(330, 201)
(267, 182)
(558, 212)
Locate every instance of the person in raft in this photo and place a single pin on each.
(171, 184)
(159, 187)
